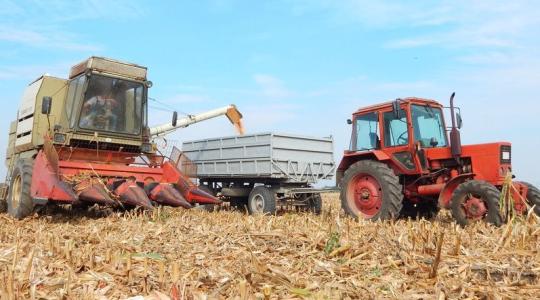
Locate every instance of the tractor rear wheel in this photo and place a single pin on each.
(476, 200)
(370, 190)
(19, 202)
(533, 197)
(262, 200)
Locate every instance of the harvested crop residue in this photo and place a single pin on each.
(194, 254)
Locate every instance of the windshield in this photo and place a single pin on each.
(113, 105)
(428, 126)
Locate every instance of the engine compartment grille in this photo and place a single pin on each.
(104, 146)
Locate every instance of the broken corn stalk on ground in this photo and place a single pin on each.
(194, 254)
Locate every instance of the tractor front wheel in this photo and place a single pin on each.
(533, 197)
(476, 200)
(19, 202)
(371, 190)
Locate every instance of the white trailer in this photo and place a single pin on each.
(263, 171)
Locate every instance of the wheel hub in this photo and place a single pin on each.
(366, 195)
(259, 203)
(475, 208)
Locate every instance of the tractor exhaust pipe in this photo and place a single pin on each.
(455, 137)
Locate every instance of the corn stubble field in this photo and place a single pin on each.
(194, 254)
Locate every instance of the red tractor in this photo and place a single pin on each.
(403, 162)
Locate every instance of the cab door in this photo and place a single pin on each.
(397, 137)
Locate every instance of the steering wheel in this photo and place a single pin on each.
(404, 138)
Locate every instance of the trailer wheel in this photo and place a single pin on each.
(371, 190)
(533, 197)
(314, 203)
(476, 200)
(19, 202)
(261, 201)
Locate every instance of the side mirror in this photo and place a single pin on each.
(46, 104)
(174, 119)
(349, 121)
(459, 121)
(396, 109)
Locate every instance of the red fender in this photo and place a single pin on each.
(448, 189)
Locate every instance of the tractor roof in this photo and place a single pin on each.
(407, 100)
(111, 66)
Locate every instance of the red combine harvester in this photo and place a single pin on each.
(401, 161)
(85, 140)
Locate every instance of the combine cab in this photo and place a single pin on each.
(85, 140)
(402, 161)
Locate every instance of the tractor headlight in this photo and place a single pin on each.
(506, 154)
(59, 138)
(147, 148)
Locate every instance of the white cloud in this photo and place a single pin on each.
(46, 24)
(45, 38)
(272, 87)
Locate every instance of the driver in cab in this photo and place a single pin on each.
(99, 113)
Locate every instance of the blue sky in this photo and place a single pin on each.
(297, 66)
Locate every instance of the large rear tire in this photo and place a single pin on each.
(476, 200)
(533, 197)
(261, 200)
(370, 190)
(19, 202)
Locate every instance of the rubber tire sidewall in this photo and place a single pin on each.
(533, 197)
(391, 189)
(23, 168)
(488, 192)
(315, 204)
(269, 198)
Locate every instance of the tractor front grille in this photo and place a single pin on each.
(105, 146)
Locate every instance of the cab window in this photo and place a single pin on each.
(395, 129)
(428, 126)
(367, 132)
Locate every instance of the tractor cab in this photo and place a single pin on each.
(398, 129)
(107, 97)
